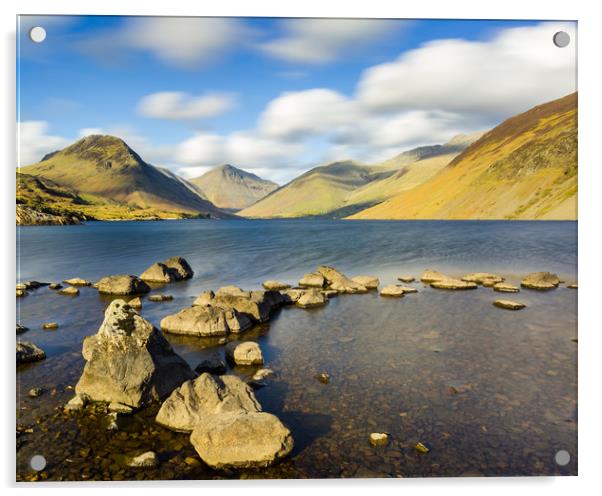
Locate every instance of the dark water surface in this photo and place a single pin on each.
(489, 391)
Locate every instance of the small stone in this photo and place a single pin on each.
(160, 297)
(406, 279)
(541, 281)
(430, 276)
(55, 285)
(135, 303)
(21, 286)
(35, 392)
(453, 284)
(27, 352)
(245, 353)
(262, 374)
(408, 289)
(275, 285)
(369, 282)
(312, 298)
(21, 329)
(21, 292)
(421, 448)
(571, 286)
(50, 325)
(69, 291)
(323, 377)
(145, 460)
(191, 461)
(77, 281)
(505, 288)
(509, 305)
(394, 290)
(122, 284)
(379, 439)
(76, 403)
(484, 278)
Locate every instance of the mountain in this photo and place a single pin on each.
(231, 188)
(342, 188)
(104, 170)
(525, 168)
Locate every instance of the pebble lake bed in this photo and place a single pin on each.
(433, 382)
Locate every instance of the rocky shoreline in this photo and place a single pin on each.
(130, 365)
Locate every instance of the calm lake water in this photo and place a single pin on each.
(489, 391)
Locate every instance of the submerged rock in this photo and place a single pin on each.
(145, 460)
(245, 353)
(509, 304)
(379, 439)
(29, 352)
(77, 281)
(160, 297)
(484, 278)
(21, 329)
(198, 399)
(323, 377)
(76, 403)
(408, 289)
(340, 282)
(369, 282)
(275, 285)
(122, 285)
(213, 366)
(241, 440)
(505, 288)
(20, 292)
(394, 290)
(429, 276)
(421, 448)
(35, 392)
(50, 326)
(406, 279)
(129, 361)
(205, 321)
(453, 284)
(312, 298)
(69, 291)
(312, 281)
(55, 285)
(541, 281)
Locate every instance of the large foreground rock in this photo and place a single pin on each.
(241, 440)
(196, 400)
(29, 352)
(122, 285)
(339, 281)
(129, 361)
(206, 321)
(170, 270)
(540, 280)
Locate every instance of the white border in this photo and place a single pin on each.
(590, 246)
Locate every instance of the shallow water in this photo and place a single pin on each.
(489, 391)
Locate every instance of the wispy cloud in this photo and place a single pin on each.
(175, 105)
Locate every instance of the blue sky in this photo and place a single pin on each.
(277, 96)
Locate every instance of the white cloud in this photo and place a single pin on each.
(515, 70)
(88, 131)
(175, 105)
(319, 41)
(35, 142)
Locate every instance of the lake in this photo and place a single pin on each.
(489, 391)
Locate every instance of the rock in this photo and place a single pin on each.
(484, 278)
(508, 304)
(233, 291)
(55, 285)
(329, 293)
(20, 293)
(135, 303)
(170, 270)
(312, 281)
(369, 282)
(77, 281)
(292, 295)
(21, 329)
(69, 291)
(112, 425)
(406, 279)
(122, 285)
(21, 286)
(421, 448)
(35, 392)
(160, 297)
(392, 290)
(241, 440)
(76, 403)
(379, 439)
(339, 282)
(117, 407)
(275, 285)
(205, 321)
(205, 299)
(505, 288)
(323, 377)
(572, 286)
(408, 289)
(31, 285)
(129, 361)
(541, 281)
(213, 366)
(453, 284)
(50, 326)
(145, 460)
(191, 461)
(430, 276)
(196, 400)
(312, 298)
(245, 353)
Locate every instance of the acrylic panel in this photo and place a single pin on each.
(295, 248)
